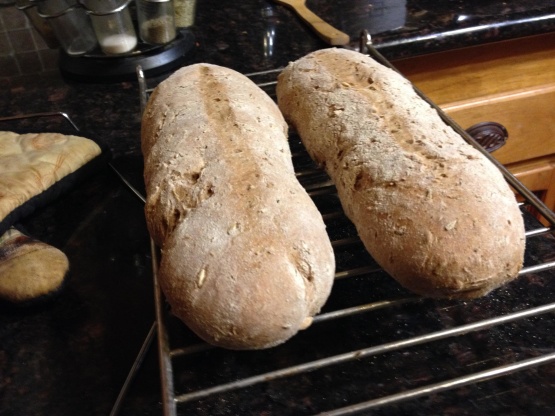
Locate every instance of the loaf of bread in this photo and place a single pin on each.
(432, 210)
(246, 260)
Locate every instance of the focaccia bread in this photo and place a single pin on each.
(246, 261)
(434, 212)
(33, 163)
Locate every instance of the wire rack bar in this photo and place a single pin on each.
(365, 352)
(443, 386)
(41, 115)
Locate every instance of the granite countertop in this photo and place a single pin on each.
(71, 355)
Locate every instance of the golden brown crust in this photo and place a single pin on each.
(245, 255)
(431, 209)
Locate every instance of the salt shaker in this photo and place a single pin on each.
(112, 24)
(156, 21)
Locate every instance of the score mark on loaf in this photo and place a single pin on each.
(434, 212)
(246, 261)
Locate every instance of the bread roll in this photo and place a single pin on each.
(246, 261)
(433, 211)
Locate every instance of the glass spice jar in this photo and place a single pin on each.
(156, 21)
(70, 24)
(112, 25)
(184, 12)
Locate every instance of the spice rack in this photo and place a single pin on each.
(106, 40)
(153, 59)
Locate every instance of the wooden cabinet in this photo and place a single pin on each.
(538, 175)
(510, 82)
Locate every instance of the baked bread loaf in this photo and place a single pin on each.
(246, 261)
(433, 211)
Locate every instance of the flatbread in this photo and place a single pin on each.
(33, 162)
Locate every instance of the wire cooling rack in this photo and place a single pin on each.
(375, 348)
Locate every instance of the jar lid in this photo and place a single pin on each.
(103, 7)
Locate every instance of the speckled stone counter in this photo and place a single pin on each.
(71, 355)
